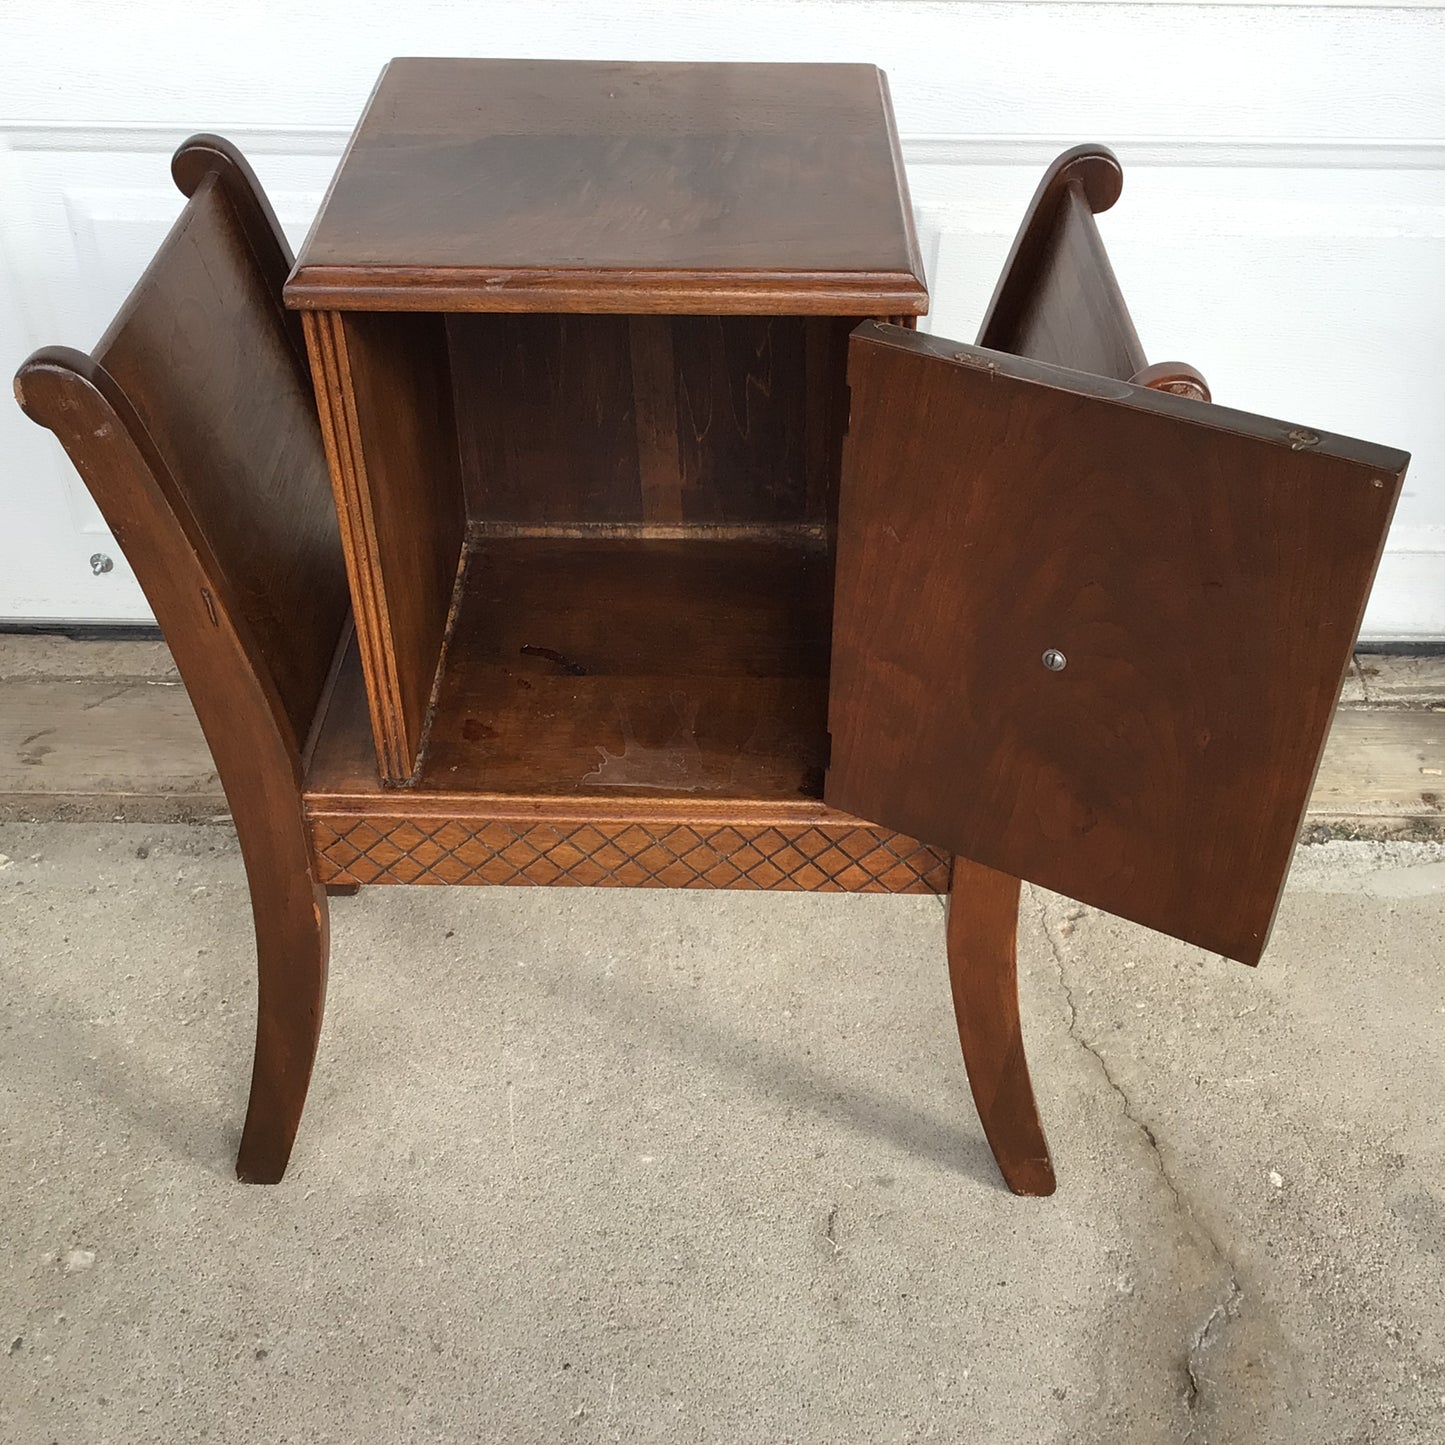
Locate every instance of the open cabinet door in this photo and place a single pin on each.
(1090, 634)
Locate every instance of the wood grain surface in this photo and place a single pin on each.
(983, 913)
(572, 420)
(450, 830)
(192, 425)
(506, 185)
(205, 357)
(1057, 299)
(382, 385)
(510, 848)
(101, 730)
(617, 664)
(104, 748)
(1202, 572)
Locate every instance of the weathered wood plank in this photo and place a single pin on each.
(1391, 681)
(96, 730)
(102, 748)
(1382, 764)
(60, 659)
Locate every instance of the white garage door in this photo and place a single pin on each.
(1282, 226)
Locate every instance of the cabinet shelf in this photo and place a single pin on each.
(635, 666)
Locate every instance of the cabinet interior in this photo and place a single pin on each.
(643, 595)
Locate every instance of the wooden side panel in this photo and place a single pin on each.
(382, 383)
(1074, 314)
(192, 427)
(1057, 299)
(203, 353)
(648, 421)
(1199, 573)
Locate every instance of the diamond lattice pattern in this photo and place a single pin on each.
(822, 857)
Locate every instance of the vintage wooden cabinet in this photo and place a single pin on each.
(678, 558)
(638, 516)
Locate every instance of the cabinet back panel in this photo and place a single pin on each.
(649, 422)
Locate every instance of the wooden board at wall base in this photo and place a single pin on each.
(104, 748)
(1383, 765)
(105, 730)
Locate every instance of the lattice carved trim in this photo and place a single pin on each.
(807, 857)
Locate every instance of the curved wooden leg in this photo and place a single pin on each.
(983, 910)
(247, 682)
(292, 944)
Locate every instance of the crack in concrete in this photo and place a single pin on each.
(1225, 1309)
(1217, 1318)
(109, 697)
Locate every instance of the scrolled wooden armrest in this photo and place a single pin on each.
(1176, 377)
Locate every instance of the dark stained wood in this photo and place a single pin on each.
(611, 837)
(1202, 571)
(592, 556)
(983, 909)
(742, 411)
(661, 847)
(384, 392)
(212, 156)
(724, 416)
(545, 418)
(554, 423)
(1057, 299)
(1176, 377)
(640, 665)
(198, 385)
(825, 419)
(567, 421)
(654, 395)
(543, 185)
(193, 429)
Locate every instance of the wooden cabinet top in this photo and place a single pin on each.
(545, 185)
